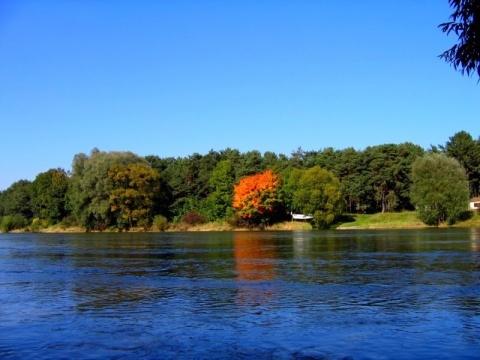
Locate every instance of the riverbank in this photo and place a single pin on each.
(213, 226)
(401, 220)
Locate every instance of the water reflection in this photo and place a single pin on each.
(254, 262)
(254, 257)
(301, 244)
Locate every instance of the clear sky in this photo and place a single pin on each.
(171, 78)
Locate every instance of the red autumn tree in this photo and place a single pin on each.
(257, 197)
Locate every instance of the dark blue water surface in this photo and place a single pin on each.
(241, 295)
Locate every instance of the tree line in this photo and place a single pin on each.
(121, 190)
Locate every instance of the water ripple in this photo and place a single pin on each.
(307, 295)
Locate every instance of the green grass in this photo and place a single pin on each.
(405, 219)
(400, 220)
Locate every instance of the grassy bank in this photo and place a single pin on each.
(401, 220)
(176, 227)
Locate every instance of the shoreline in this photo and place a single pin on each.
(398, 221)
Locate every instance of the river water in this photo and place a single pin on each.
(410, 294)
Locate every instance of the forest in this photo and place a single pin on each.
(121, 190)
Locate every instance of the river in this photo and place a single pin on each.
(384, 294)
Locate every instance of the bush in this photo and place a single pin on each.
(193, 218)
(38, 224)
(13, 222)
(160, 223)
(70, 221)
(144, 223)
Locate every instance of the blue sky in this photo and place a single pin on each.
(171, 78)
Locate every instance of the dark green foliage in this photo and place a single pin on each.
(353, 180)
(465, 55)
(162, 206)
(388, 167)
(69, 221)
(221, 182)
(48, 195)
(175, 175)
(440, 189)
(466, 150)
(16, 200)
(250, 163)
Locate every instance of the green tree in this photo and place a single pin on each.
(387, 169)
(250, 163)
(319, 194)
(352, 184)
(327, 158)
(90, 187)
(381, 165)
(462, 147)
(440, 189)
(271, 160)
(465, 55)
(16, 200)
(180, 182)
(134, 191)
(161, 165)
(187, 182)
(407, 153)
(219, 201)
(291, 177)
(297, 158)
(48, 199)
(230, 154)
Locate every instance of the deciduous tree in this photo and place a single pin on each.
(440, 189)
(318, 193)
(16, 200)
(49, 191)
(257, 197)
(135, 189)
(219, 201)
(89, 193)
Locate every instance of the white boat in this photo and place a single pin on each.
(301, 217)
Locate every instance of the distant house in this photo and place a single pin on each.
(475, 203)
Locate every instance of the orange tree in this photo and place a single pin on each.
(257, 198)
